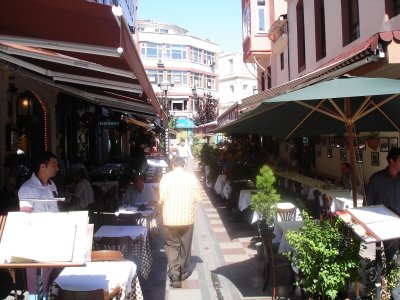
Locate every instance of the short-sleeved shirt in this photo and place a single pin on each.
(84, 192)
(136, 197)
(383, 189)
(34, 189)
(179, 192)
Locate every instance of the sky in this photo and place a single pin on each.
(220, 21)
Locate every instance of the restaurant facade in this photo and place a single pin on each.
(294, 44)
(81, 95)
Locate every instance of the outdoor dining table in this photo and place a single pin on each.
(306, 182)
(100, 275)
(151, 218)
(141, 252)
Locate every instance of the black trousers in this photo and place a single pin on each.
(178, 244)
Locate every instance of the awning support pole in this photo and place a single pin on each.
(350, 127)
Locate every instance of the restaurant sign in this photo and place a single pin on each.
(108, 123)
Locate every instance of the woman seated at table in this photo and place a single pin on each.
(139, 193)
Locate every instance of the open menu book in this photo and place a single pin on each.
(44, 237)
(375, 223)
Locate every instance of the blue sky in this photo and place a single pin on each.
(217, 20)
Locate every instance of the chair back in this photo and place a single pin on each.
(107, 255)
(327, 202)
(123, 244)
(286, 214)
(99, 294)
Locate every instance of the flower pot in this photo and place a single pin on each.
(373, 143)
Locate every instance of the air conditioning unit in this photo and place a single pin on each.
(160, 63)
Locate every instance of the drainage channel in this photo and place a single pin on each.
(217, 286)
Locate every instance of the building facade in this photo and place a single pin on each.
(306, 41)
(237, 80)
(170, 54)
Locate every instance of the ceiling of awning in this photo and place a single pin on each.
(74, 43)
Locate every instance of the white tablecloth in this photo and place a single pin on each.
(98, 275)
(119, 231)
(244, 199)
(219, 184)
(280, 230)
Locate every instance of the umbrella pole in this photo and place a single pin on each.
(350, 127)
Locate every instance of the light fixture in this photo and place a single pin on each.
(165, 85)
(117, 11)
(25, 102)
(120, 50)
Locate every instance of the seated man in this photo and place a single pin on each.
(345, 179)
(139, 193)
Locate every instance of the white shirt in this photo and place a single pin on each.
(84, 192)
(184, 151)
(34, 189)
(138, 198)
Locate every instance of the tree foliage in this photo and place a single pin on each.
(206, 110)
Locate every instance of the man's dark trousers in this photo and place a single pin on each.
(178, 244)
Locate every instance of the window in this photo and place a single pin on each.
(245, 86)
(178, 77)
(209, 82)
(176, 52)
(392, 8)
(141, 29)
(282, 58)
(161, 30)
(269, 82)
(155, 76)
(151, 50)
(232, 88)
(231, 66)
(195, 55)
(261, 15)
(350, 21)
(179, 104)
(209, 57)
(301, 45)
(246, 22)
(320, 37)
(196, 80)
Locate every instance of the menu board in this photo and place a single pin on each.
(374, 223)
(44, 237)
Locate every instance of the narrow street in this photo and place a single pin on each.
(222, 264)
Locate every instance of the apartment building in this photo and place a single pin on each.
(170, 54)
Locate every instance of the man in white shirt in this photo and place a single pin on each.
(140, 193)
(41, 188)
(184, 152)
(83, 194)
(179, 193)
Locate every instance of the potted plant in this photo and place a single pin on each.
(326, 256)
(264, 201)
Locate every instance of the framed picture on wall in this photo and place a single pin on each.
(359, 157)
(343, 154)
(384, 144)
(393, 143)
(318, 151)
(375, 158)
(329, 152)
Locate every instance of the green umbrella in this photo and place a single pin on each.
(345, 104)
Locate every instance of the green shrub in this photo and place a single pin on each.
(327, 259)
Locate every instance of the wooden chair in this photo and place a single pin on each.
(99, 294)
(274, 263)
(287, 214)
(107, 255)
(124, 244)
(326, 208)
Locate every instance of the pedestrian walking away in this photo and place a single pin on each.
(179, 193)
